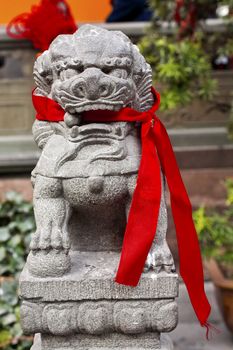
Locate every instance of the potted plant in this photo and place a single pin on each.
(215, 230)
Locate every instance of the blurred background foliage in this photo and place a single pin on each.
(183, 59)
(11, 336)
(215, 231)
(183, 69)
(17, 223)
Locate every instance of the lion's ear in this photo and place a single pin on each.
(122, 36)
(43, 74)
(142, 75)
(43, 130)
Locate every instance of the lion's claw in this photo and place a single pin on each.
(48, 240)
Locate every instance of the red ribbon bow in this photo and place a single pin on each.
(43, 23)
(143, 217)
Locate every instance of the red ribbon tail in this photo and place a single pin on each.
(210, 329)
(191, 268)
(143, 215)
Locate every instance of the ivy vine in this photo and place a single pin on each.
(17, 223)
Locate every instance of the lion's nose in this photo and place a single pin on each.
(79, 89)
(93, 88)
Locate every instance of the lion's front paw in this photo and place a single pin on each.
(160, 258)
(49, 256)
(50, 238)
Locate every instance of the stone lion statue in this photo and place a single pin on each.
(86, 174)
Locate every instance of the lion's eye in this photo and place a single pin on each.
(71, 72)
(79, 69)
(119, 73)
(68, 73)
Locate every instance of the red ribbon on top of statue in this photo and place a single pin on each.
(143, 217)
(187, 25)
(43, 24)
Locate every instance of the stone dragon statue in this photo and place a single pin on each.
(86, 174)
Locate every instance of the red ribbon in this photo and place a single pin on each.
(186, 25)
(43, 23)
(144, 211)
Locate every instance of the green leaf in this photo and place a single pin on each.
(3, 309)
(26, 208)
(26, 226)
(215, 231)
(5, 337)
(4, 269)
(4, 234)
(14, 197)
(16, 330)
(15, 241)
(8, 319)
(229, 186)
(2, 253)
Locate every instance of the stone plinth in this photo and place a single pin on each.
(86, 309)
(136, 343)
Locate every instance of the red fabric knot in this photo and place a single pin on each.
(149, 123)
(43, 23)
(141, 227)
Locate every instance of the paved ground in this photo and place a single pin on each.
(190, 336)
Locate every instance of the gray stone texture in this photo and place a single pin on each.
(148, 341)
(83, 187)
(92, 278)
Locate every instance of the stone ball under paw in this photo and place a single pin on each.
(53, 263)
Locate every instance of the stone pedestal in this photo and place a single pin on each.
(165, 344)
(86, 309)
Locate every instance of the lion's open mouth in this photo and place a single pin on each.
(92, 106)
(74, 104)
(98, 132)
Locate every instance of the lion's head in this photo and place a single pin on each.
(94, 69)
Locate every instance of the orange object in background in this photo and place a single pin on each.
(82, 10)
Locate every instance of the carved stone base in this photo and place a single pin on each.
(99, 317)
(86, 309)
(92, 278)
(142, 342)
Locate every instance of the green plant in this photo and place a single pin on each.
(181, 60)
(11, 336)
(230, 123)
(17, 223)
(181, 67)
(215, 231)
(16, 226)
(204, 8)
